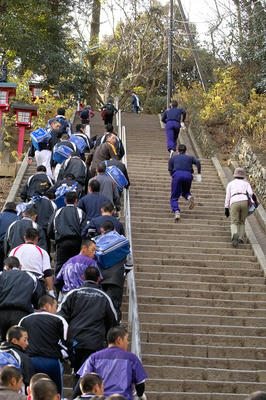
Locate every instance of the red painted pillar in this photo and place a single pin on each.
(21, 132)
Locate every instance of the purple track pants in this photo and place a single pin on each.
(172, 130)
(180, 186)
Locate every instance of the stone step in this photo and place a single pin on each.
(227, 271)
(203, 340)
(178, 242)
(204, 330)
(174, 318)
(220, 237)
(245, 254)
(198, 386)
(212, 351)
(208, 286)
(202, 310)
(185, 214)
(196, 293)
(210, 374)
(192, 261)
(161, 276)
(202, 254)
(189, 301)
(162, 395)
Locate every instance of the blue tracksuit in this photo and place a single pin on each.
(172, 119)
(180, 167)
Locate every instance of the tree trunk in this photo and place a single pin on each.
(93, 58)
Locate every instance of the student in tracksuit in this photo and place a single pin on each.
(180, 168)
(172, 119)
(65, 227)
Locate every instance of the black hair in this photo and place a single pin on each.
(174, 103)
(94, 185)
(30, 211)
(108, 206)
(15, 332)
(116, 332)
(107, 226)
(71, 197)
(46, 299)
(37, 377)
(182, 148)
(61, 111)
(87, 242)
(9, 372)
(88, 382)
(91, 274)
(41, 168)
(31, 234)
(50, 194)
(10, 206)
(12, 262)
(101, 167)
(109, 128)
(74, 154)
(44, 389)
(79, 127)
(65, 136)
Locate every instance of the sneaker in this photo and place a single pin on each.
(177, 216)
(235, 240)
(191, 202)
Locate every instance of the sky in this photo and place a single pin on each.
(202, 12)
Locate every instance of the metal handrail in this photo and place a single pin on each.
(133, 318)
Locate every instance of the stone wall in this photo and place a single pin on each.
(256, 171)
(202, 137)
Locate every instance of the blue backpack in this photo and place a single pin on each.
(79, 142)
(39, 136)
(61, 194)
(9, 357)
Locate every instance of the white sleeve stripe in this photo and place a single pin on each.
(64, 323)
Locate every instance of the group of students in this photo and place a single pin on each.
(67, 311)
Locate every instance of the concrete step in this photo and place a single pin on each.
(174, 318)
(215, 374)
(207, 351)
(203, 310)
(192, 261)
(230, 251)
(227, 271)
(197, 293)
(203, 386)
(202, 340)
(161, 276)
(193, 396)
(204, 330)
(186, 242)
(188, 301)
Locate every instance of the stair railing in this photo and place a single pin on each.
(133, 317)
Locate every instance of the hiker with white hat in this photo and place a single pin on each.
(236, 205)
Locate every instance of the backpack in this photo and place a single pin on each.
(61, 153)
(79, 142)
(117, 177)
(39, 136)
(9, 357)
(61, 191)
(21, 207)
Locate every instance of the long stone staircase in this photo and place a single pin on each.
(202, 303)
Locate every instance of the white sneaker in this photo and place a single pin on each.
(177, 216)
(191, 202)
